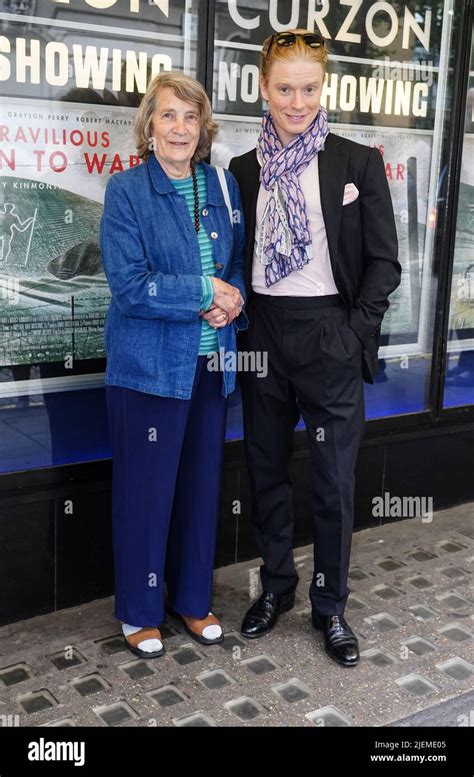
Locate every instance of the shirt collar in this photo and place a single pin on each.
(163, 184)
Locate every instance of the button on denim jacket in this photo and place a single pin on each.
(152, 262)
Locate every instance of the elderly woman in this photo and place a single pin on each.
(321, 262)
(172, 255)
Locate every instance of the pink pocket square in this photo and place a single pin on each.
(351, 192)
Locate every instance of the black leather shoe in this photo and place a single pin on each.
(340, 641)
(263, 614)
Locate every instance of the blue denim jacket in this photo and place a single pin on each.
(151, 259)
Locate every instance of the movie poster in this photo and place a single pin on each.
(56, 161)
(72, 74)
(461, 324)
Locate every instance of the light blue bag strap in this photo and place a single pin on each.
(225, 191)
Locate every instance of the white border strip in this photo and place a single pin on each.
(25, 388)
(376, 128)
(427, 278)
(102, 28)
(187, 22)
(334, 57)
(58, 104)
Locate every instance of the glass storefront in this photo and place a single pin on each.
(388, 86)
(72, 73)
(459, 381)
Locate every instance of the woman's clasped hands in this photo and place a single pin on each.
(227, 304)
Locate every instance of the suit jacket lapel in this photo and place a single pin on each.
(332, 167)
(251, 220)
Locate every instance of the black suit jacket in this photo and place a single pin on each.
(362, 237)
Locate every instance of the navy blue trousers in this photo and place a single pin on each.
(167, 459)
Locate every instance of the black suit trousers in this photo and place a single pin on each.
(314, 369)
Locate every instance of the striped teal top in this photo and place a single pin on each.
(184, 186)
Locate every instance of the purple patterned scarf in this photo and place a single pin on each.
(284, 237)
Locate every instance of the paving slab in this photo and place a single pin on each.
(410, 605)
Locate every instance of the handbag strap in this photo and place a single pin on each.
(225, 191)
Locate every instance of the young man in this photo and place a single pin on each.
(321, 262)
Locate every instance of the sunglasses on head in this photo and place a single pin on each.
(311, 39)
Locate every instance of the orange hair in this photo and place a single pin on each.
(298, 50)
